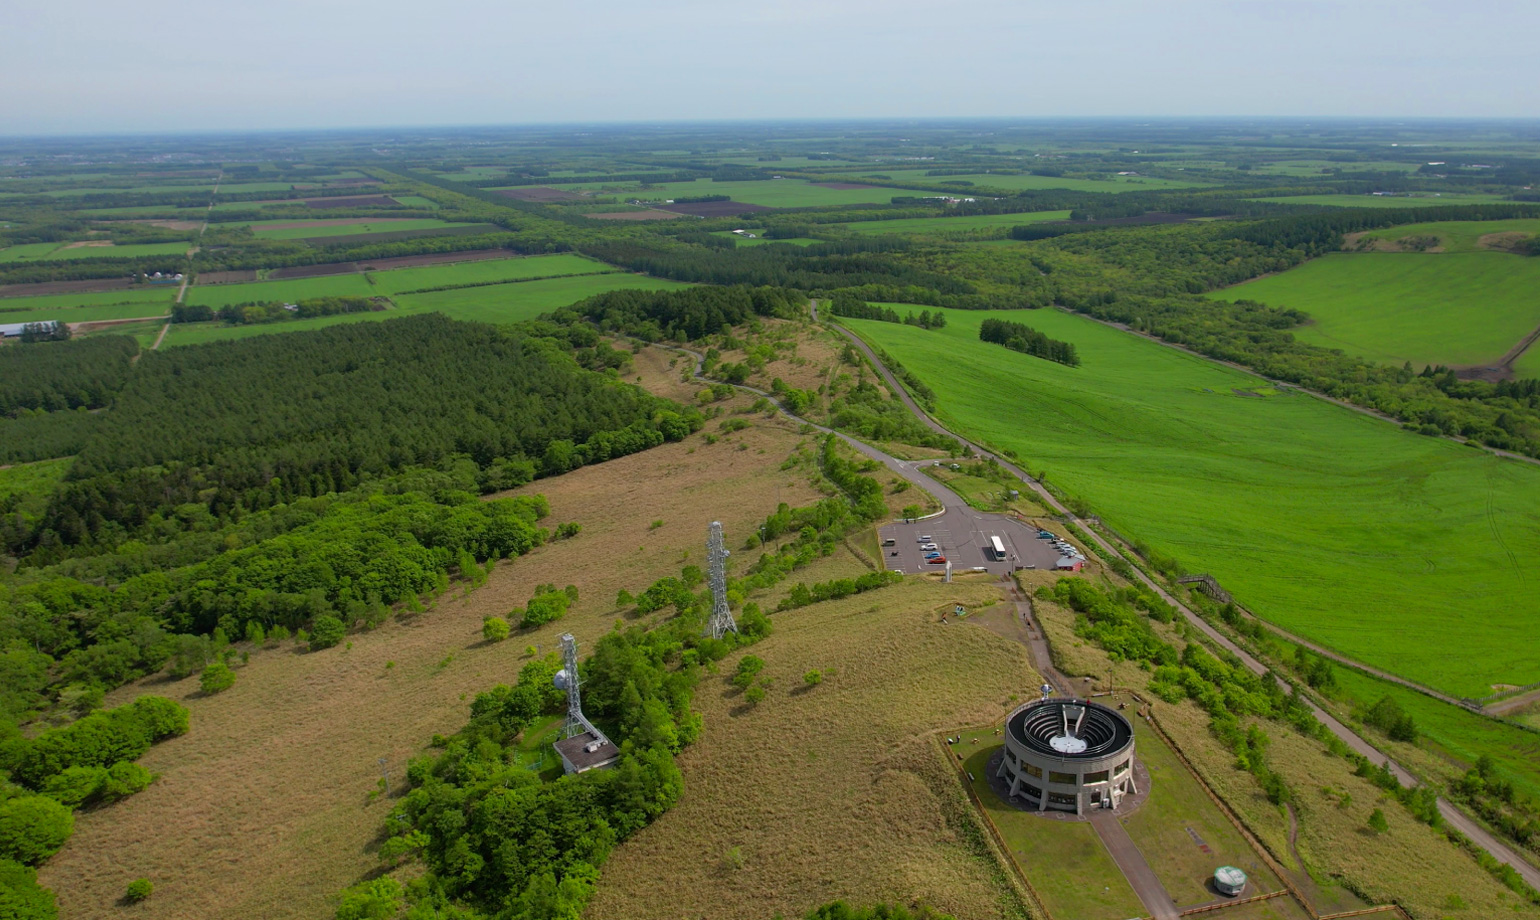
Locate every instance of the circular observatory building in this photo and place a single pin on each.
(1068, 755)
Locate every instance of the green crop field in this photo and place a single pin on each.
(283, 229)
(1459, 235)
(492, 303)
(417, 201)
(1528, 364)
(32, 252)
(1024, 182)
(1388, 201)
(772, 193)
(1391, 547)
(945, 224)
(512, 269)
(520, 300)
(78, 308)
(220, 295)
(1465, 308)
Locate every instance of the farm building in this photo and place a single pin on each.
(12, 330)
(587, 751)
(1069, 564)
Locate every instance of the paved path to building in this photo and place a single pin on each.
(1134, 866)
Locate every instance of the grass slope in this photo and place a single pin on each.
(1463, 308)
(834, 791)
(1392, 547)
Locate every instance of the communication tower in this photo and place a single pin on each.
(567, 679)
(722, 621)
(582, 746)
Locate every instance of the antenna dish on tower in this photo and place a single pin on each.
(721, 622)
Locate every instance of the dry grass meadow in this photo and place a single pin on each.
(833, 791)
(262, 809)
(1338, 858)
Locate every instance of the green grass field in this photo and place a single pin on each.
(1391, 547)
(32, 252)
(280, 229)
(1528, 364)
(772, 193)
(1385, 201)
(1024, 182)
(417, 201)
(1461, 308)
(1065, 860)
(520, 300)
(512, 269)
(760, 241)
(1459, 235)
(1315, 167)
(495, 303)
(946, 224)
(77, 308)
(220, 295)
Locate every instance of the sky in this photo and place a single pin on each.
(102, 66)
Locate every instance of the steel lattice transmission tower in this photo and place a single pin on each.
(722, 621)
(567, 679)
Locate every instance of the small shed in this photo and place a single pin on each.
(1068, 564)
(589, 750)
(1229, 880)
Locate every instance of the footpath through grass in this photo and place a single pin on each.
(1456, 308)
(1409, 553)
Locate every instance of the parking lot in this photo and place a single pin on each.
(964, 539)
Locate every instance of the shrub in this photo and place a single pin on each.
(138, 890)
(326, 632)
(100, 739)
(494, 629)
(748, 668)
(378, 899)
(21, 897)
(216, 678)
(813, 678)
(33, 827)
(1377, 822)
(754, 695)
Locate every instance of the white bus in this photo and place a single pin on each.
(998, 547)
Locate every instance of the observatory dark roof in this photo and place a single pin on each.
(1104, 731)
(573, 749)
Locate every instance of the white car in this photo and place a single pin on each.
(929, 546)
(925, 538)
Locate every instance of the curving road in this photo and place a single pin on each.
(1451, 815)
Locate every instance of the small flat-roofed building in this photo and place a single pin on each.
(586, 751)
(1069, 564)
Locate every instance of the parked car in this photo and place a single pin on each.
(929, 546)
(925, 538)
(937, 560)
(889, 542)
(932, 555)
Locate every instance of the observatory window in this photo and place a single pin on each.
(1033, 791)
(1054, 776)
(1055, 798)
(1033, 769)
(1010, 755)
(1097, 777)
(1122, 768)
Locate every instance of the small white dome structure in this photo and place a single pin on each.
(1229, 880)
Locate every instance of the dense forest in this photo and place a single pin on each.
(81, 374)
(244, 425)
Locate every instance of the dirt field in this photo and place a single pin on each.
(715, 208)
(540, 193)
(261, 810)
(636, 215)
(357, 201)
(833, 791)
(65, 287)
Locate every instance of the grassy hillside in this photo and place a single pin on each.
(1461, 308)
(1391, 547)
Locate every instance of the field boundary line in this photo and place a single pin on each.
(997, 840)
(1224, 905)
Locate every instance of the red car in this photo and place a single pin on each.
(939, 560)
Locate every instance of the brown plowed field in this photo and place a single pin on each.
(354, 201)
(313, 271)
(65, 287)
(540, 193)
(714, 208)
(234, 277)
(635, 215)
